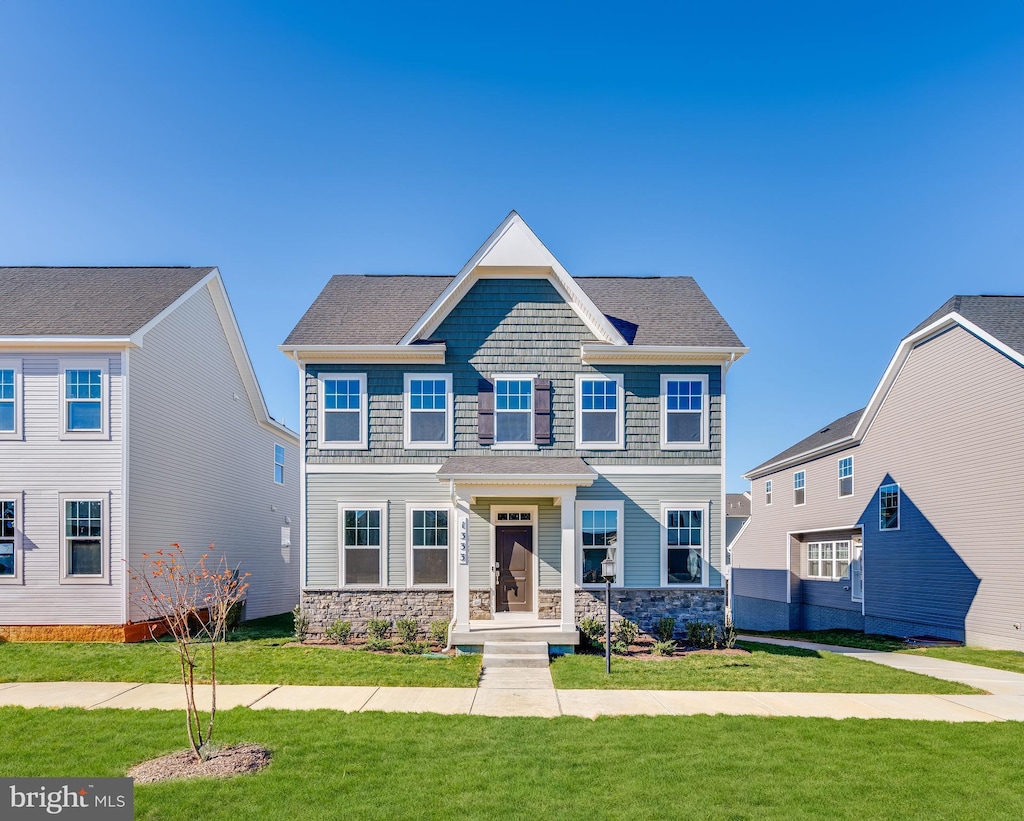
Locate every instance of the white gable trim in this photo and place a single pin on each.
(514, 251)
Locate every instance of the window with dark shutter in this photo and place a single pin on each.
(542, 412)
(485, 412)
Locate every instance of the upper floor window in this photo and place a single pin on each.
(846, 476)
(343, 418)
(684, 411)
(513, 410)
(279, 464)
(428, 411)
(599, 415)
(10, 398)
(768, 492)
(83, 398)
(599, 529)
(889, 507)
(684, 556)
(7, 531)
(799, 481)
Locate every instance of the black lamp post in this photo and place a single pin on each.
(608, 574)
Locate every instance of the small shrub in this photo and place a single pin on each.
(664, 648)
(620, 648)
(300, 624)
(339, 632)
(728, 634)
(377, 644)
(407, 630)
(439, 633)
(377, 629)
(414, 648)
(592, 633)
(626, 632)
(234, 615)
(702, 635)
(664, 628)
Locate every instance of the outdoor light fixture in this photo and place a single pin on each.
(608, 573)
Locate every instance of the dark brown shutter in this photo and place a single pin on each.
(485, 412)
(542, 411)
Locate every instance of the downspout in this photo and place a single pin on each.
(451, 625)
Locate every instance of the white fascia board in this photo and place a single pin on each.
(434, 353)
(52, 342)
(592, 353)
(552, 269)
(372, 468)
(806, 456)
(658, 470)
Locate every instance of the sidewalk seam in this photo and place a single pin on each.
(116, 695)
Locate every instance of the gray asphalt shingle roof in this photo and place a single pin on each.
(88, 301)
(737, 504)
(488, 465)
(356, 309)
(832, 432)
(1001, 316)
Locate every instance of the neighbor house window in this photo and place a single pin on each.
(684, 544)
(889, 507)
(7, 531)
(83, 398)
(828, 560)
(84, 538)
(428, 414)
(599, 415)
(343, 410)
(846, 476)
(279, 464)
(684, 411)
(10, 399)
(799, 480)
(430, 538)
(513, 411)
(362, 545)
(599, 528)
(768, 492)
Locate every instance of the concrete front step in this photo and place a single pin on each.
(516, 648)
(493, 660)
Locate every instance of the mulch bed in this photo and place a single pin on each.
(236, 760)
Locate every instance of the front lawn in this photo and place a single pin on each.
(839, 636)
(768, 668)
(329, 765)
(1011, 660)
(254, 655)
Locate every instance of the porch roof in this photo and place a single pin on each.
(532, 470)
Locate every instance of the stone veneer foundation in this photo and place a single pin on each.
(641, 605)
(324, 607)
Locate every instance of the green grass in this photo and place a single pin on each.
(254, 655)
(999, 659)
(768, 668)
(838, 636)
(329, 765)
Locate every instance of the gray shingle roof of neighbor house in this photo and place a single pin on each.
(488, 465)
(357, 309)
(737, 504)
(88, 301)
(832, 432)
(1001, 316)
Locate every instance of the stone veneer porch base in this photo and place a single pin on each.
(641, 605)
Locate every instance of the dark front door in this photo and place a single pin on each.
(514, 585)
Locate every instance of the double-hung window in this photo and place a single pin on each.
(84, 529)
(828, 560)
(279, 464)
(513, 410)
(684, 411)
(429, 530)
(8, 531)
(10, 398)
(684, 556)
(343, 413)
(599, 412)
(428, 410)
(599, 529)
(799, 487)
(363, 543)
(84, 388)
(768, 492)
(889, 507)
(846, 476)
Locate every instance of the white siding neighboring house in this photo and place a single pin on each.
(130, 418)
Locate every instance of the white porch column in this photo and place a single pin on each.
(460, 590)
(569, 559)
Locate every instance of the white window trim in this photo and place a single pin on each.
(516, 377)
(705, 423)
(618, 506)
(803, 488)
(834, 561)
(768, 487)
(705, 536)
(103, 366)
(410, 508)
(16, 366)
(18, 498)
(284, 455)
(327, 444)
(534, 523)
(899, 508)
(383, 508)
(449, 411)
(839, 478)
(620, 411)
(104, 500)
(857, 555)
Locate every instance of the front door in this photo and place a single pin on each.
(514, 569)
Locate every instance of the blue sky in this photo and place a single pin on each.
(830, 173)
